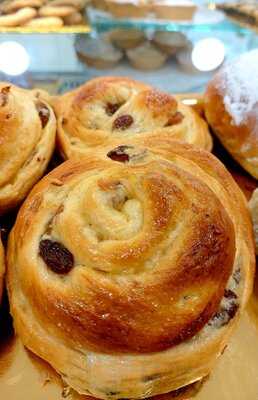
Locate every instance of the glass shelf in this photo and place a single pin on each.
(29, 30)
(205, 20)
(55, 65)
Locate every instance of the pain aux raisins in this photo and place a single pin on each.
(123, 122)
(119, 154)
(43, 112)
(56, 256)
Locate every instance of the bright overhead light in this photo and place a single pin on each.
(208, 54)
(14, 59)
(190, 102)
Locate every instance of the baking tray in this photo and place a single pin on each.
(24, 376)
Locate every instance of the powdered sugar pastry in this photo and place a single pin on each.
(240, 79)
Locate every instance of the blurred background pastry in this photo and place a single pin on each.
(18, 17)
(175, 10)
(97, 52)
(45, 22)
(128, 8)
(231, 107)
(34, 13)
(170, 42)
(146, 57)
(126, 38)
(184, 59)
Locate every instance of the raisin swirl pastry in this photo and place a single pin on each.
(110, 108)
(27, 138)
(128, 269)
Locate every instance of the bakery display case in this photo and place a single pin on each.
(178, 58)
(178, 54)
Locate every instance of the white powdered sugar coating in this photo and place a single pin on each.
(240, 82)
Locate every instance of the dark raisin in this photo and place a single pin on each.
(224, 315)
(123, 122)
(57, 257)
(4, 95)
(175, 119)
(111, 393)
(43, 112)
(229, 294)
(237, 276)
(111, 108)
(119, 154)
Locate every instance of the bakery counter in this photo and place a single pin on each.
(181, 61)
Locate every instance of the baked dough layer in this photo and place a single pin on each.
(128, 269)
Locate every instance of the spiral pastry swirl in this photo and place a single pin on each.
(111, 108)
(27, 138)
(127, 269)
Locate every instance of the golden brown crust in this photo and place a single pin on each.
(12, 6)
(162, 233)
(56, 11)
(240, 139)
(253, 205)
(93, 115)
(18, 17)
(27, 136)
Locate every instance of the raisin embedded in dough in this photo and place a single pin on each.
(57, 257)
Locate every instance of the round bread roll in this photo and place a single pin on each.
(74, 19)
(27, 137)
(231, 107)
(56, 11)
(43, 22)
(97, 52)
(144, 258)
(111, 108)
(78, 4)
(126, 39)
(146, 57)
(2, 268)
(170, 42)
(18, 18)
(11, 6)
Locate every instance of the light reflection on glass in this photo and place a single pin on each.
(208, 54)
(14, 59)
